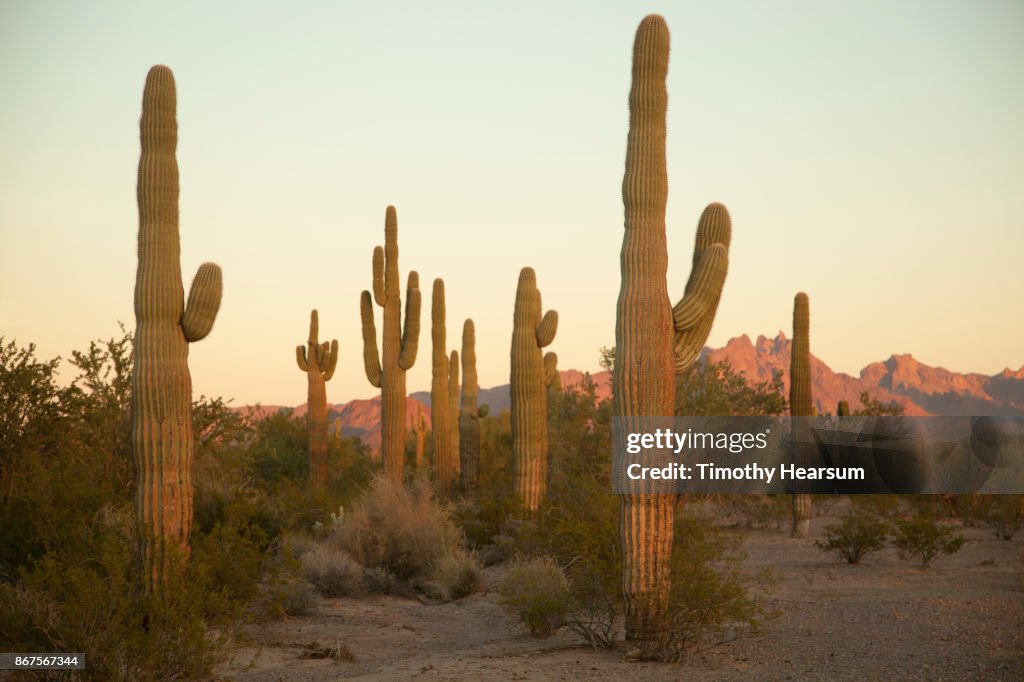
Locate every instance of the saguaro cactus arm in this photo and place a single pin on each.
(203, 302)
(411, 329)
(550, 368)
(694, 314)
(371, 356)
(547, 328)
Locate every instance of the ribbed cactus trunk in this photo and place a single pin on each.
(318, 362)
(531, 332)
(453, 417)
(653, 339)
(469, 415)
(800, 401)
(843, 409)
(421, 432)
(440, 405)
(399, 344)
(161, 437)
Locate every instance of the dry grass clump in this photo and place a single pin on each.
(332, 571)
(400, 535)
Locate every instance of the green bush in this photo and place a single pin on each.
(536, 591)
(856, 536)
(923, 539)
(711, 601)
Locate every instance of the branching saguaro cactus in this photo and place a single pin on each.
(440, 404)
(399, 343)
(453, 416)
(470, 415)
(653, 339)
(162, 439)
(800, 400)
(318, 361)
(531, 332)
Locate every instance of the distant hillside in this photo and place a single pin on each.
(922, 390)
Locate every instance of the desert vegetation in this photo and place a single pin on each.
(161, 534)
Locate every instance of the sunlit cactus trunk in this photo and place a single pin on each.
(399, 343)
(653, 339)
(318, 362)
(800, 401)
(421, 432)
(531, 333)
(440, 402)
(843, 409)
(161, 437)
(453, 418)
(470, 414)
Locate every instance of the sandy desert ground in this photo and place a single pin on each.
(961, 619)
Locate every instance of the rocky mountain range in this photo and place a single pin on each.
(919, 388)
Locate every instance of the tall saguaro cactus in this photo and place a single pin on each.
(843, 409)
(440, 403)
(531, 333)
(800, 401)
(162, 438)
(654, 339)
(469, 415)
(399, 343)
(318, 361)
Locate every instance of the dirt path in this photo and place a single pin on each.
(962, 619)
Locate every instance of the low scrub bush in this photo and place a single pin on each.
(923, 539)
(856, 536)
(332, 572)
(458, 575)
(399, 529)
(536, 591)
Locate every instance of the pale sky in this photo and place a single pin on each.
(870, 153)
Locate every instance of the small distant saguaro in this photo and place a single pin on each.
(800, 399)
(318, 361)
(531, 333)
(470, 415)
(162, 438)
(399, 343)
(440, 402)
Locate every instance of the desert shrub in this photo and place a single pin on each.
(285, 595)
(331, 571)
(923, 539)
(536, 591)
(400, 529)
(856, 536)
(458, 574)
(711, 602)
(1004, 514)
(379, 580)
